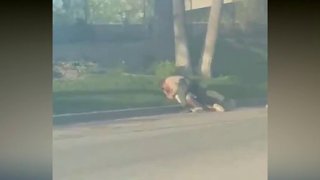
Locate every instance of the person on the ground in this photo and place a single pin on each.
(182, 89)
(177, 88)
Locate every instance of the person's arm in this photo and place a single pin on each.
(166, 90)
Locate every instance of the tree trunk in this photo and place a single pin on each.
(182, 56)
(144, 11)
(162, 30)
(210, 40)
(86, 12)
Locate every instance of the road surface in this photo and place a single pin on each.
(208, 146)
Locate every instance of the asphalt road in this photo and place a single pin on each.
(208, 146)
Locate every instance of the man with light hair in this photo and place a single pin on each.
(189, 94)
(178, 88)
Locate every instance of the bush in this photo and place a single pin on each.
(73, 69)
(163, 69)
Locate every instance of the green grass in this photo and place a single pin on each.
(239, 66)
(107, 91)
(101, 92)
(240, 57)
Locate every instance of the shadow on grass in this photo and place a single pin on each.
(109, 92)
(84, 101)
(235, 57)
(90, 104)
(239, 91)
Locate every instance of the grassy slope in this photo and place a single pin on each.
(240, 70)
(101, 92)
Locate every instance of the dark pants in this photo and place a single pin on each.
(183, 89)
(204, 96)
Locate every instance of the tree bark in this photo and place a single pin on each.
(86, 11)
(210, 40)
(162, 30)
(182, 56)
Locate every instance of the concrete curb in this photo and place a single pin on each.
(71, 118)
(65, 119)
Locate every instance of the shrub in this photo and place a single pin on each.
(73, 69)
(163, 69)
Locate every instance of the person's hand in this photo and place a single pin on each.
(170, 96)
